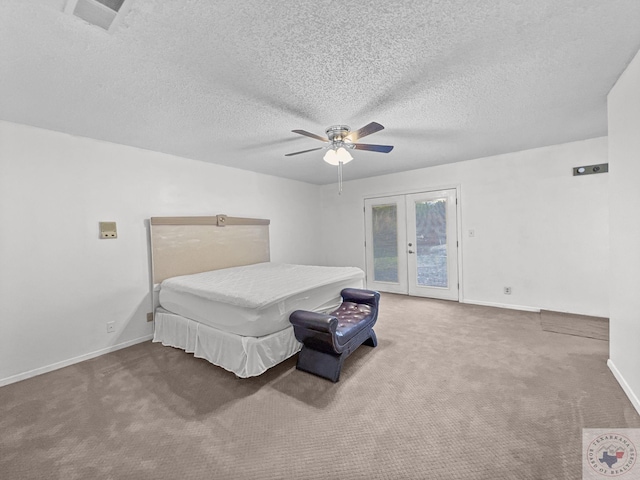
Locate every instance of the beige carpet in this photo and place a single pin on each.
(451, 392)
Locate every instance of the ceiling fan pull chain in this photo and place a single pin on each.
(339, 178)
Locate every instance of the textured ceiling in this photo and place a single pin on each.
(226, 81)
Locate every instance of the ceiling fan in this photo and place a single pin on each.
(341, 136)
(340, 139)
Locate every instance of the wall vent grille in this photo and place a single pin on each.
(102, 13)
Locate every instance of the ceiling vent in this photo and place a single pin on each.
(103, 13)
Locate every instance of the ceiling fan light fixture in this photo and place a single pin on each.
(337, 156)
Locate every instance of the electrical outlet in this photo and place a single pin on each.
(150, 317)
(111, 327)
(108, 230)
(507, 290)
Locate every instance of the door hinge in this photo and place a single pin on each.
(457, 243)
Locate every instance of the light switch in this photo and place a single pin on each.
(108, 230)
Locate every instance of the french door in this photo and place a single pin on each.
(411, 244)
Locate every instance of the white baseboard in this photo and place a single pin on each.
(71, 361)
(625, 386)
(501, 305)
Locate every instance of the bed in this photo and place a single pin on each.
(217, 295)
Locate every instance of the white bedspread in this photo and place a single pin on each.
(244, 356)
(259, 285)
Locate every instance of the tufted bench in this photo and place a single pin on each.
(328, 339)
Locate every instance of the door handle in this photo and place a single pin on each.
(411, 251)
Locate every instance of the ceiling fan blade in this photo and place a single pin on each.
(426, 133)
(269, 143)
(312, 135)
(373, 148)
(303, 151)
(373, 127)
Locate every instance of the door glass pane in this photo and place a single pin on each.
(431, 242)
(385, 243)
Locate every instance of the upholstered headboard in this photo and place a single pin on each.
(186, 245)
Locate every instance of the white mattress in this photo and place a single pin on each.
(256, 300)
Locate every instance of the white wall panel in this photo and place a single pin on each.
(60, 284)
(624, 152)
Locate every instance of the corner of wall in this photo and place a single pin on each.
(635, 401)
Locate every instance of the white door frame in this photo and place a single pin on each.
(387, 286)
(451, 291)
(381, 196)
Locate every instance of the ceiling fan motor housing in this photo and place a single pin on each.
(337, 132)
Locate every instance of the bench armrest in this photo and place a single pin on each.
(320, 322)
(358, 295)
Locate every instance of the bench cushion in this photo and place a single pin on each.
(350, 317)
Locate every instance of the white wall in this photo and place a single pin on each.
(60, 284)
(624, 185)
(537, 228)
